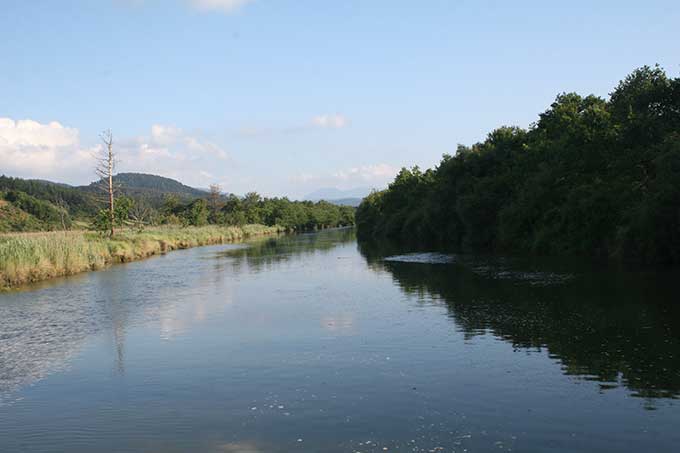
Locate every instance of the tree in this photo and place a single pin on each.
(215, 194)
(123, 206)
(196, 213)
(105, 168)
(63, 211)
(591, 177)
(215, 215)
(140, 213)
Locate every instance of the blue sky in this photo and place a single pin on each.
(284, 97)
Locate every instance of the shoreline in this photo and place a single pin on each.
(34, 257)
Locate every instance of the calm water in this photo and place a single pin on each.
(314, 343)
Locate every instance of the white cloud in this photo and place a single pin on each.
(330, 121)
(172, 136)
(225, 6)
(378, 172)
(32, 149)
(32, 133)
(170, 151)
(165, 135)
(374, 176)
(335, 121)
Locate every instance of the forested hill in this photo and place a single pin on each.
(143, 181)
(592, 176)
(31, 205)
(81, 200)
(78, 201)
(151, 188)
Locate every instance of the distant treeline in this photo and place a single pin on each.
(254, 209)
(591, 177)
(145, 200)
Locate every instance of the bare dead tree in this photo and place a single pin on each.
(215, 194)
(140, 213)
(106, 162)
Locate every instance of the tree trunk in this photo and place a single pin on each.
(112, 213)
(106, 161)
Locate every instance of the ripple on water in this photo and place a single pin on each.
(496, 269)
(425, 258)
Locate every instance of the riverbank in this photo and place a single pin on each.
(32, 257)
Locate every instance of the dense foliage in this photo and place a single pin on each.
(254, 209)
(151, 189)
(14, 219)
(592, 176)
(40, 209)
(75, 200)
(143, 200)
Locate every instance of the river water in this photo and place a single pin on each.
(316, 343)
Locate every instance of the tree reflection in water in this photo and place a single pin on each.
(621, 328)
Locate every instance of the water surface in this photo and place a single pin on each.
(314, 343)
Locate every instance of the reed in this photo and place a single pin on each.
(31, 257)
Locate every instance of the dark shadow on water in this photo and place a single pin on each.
(619, 328)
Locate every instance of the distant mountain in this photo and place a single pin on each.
(333, 193)
(354, 202)
(84, 201)
(152, 188)
(143, 181)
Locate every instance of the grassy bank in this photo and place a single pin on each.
(31, 257)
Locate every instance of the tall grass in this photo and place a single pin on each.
(31, 257)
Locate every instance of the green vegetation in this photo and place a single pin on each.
(591, 177)
(149, 200)
(291, 215)
(232, 210)
(151, 215)
(78, 202)
(14, 219)
(150, 189)
(40, 209)
(30, 257)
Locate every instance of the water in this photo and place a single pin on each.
(313, 343)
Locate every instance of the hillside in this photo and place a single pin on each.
(78, 202)
(146, 182)
(34, 205)
(22, 212)
(151, 188)
(15, 219)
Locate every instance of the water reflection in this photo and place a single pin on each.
(301, 343)
(263, 254)
(239, 447)
(617, 328)
(42, 329)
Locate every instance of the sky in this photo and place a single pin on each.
(284, 97)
